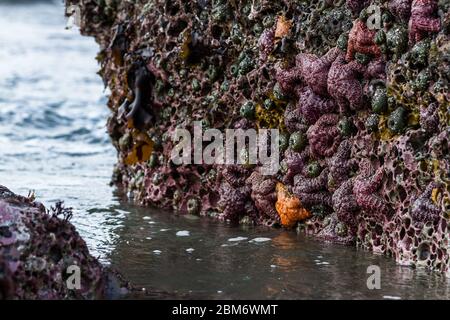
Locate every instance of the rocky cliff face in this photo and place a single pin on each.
(358, 90)
(41, 254)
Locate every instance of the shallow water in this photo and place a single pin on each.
(53, 140)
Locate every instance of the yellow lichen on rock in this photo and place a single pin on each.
(273, 118)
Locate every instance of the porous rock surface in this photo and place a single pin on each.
(363, 112)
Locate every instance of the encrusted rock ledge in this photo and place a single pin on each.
(38, 252)
(363, 112)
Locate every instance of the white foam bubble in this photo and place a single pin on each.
(260, 239)
(237, 239)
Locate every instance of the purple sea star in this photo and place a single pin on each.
(423, 19)
(365, 186)
(343, 84)
(324, 136)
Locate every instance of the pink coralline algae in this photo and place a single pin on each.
(343, 84)
(361, 39)
(429, 118)
(324, 136)
(365, 187)
(423, 19)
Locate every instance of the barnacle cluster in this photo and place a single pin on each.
(38, 248)
(358, 90)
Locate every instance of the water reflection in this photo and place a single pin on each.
(289, 266)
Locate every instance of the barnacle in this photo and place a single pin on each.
(379, 101)
(193, 206)
(283, 141)
(418, 55)
(313, 169)
(397, 40)
(372, 122)
(248, 110)
(346, 127)
(397, 120)
(297, 141)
